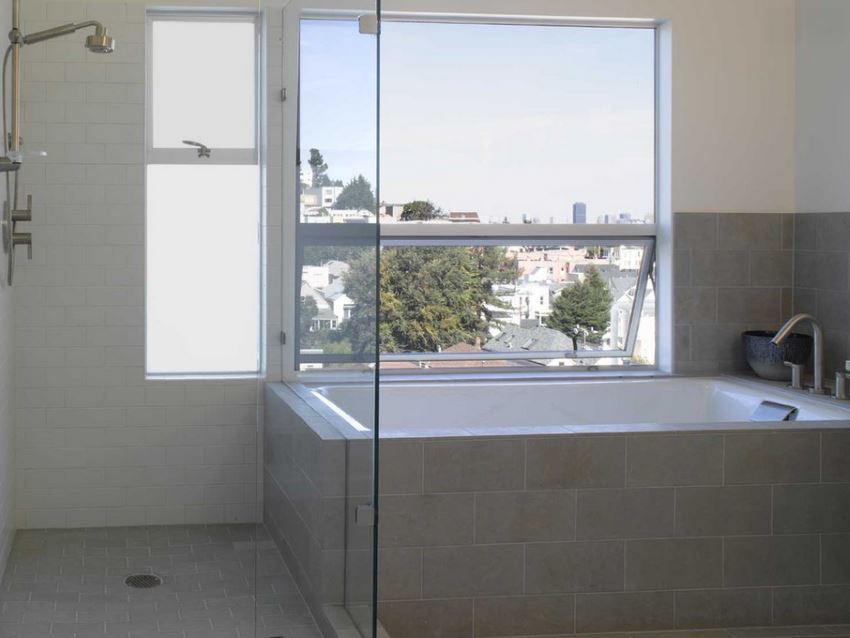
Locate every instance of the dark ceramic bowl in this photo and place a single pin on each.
(768, 360)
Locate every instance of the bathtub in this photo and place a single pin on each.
(551, 407)
(582, 506)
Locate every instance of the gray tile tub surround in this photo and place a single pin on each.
(304, 496)
(822, 279)
(555, 535)
(732, 272)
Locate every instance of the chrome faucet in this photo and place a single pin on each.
(817, 333)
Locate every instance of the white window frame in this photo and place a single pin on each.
(220, 156)
(655, 238)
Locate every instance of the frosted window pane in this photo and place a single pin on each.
(203, 83)
(203, 271)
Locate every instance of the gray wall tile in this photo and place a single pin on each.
(750, 305)
(523, 615)
(835, 457)
(426, 520)
(811, 509)
(750, 231)
(772, 457)
(466, 465)
(589, 566)
(718, 342)
(723, 608)
(624, 513)
(772, 560)
(479, 570)
(833, 231)
(822, 270)
(695, 231)
(835, 559)
(399, 573)
(638, 611)
(695, 305)
(771, 267)
(685, 563)
(401, 466)
(720, 267)
(427, 618)
(566, 462)
(685, 459)
(722, 511)
(811, 605)
(805, 231)
(525, 516)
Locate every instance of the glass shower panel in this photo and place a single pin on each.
(322, 158)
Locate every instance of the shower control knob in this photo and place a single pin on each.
(23, 239)
(23, 214)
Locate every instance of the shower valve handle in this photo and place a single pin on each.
(23, 239)
(23, 214)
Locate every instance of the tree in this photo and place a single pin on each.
(420, 210)
(583, 309)
(431, 297)
(356, 195)
(318, 168)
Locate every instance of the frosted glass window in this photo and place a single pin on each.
(203, 83)
(203, 269)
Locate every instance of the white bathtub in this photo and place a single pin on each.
(607, 405)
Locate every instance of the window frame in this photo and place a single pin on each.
(188, 155)
(655, 238)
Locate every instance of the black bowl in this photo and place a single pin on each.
(768, 360)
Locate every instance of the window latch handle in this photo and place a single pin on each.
(203, 149)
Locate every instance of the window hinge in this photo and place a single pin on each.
(282, 337)
(283, 95)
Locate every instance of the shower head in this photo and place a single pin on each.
(98, 42)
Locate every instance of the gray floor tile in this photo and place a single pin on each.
(70, 584)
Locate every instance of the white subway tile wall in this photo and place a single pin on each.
(97, 443)
(7, 394)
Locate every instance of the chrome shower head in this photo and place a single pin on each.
(100, 42)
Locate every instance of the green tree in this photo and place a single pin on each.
(431, 297)
(319, 169)
(356, 195)
(420, 210)
(583, 310)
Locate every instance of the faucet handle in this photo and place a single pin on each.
(796, 374)
(840, 392)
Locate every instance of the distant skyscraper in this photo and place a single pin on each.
(579, 213)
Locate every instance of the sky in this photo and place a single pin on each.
(504, 120)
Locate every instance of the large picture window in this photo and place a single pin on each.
(203, 207)
(517, 203)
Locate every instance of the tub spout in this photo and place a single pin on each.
(817, 333)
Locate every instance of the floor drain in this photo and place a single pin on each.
(143, 581)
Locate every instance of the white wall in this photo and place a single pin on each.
(97, 443)
(823, 106)
(7, 389)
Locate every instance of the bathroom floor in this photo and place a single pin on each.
(70, 584)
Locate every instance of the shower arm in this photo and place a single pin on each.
(65, 29)
(12, 145)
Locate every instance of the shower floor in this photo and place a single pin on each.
(70, 584)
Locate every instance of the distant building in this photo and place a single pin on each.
(579, 213)
(320, 197)
(390, 212)
(463, 217)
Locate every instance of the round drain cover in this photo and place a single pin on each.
(143, 581)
